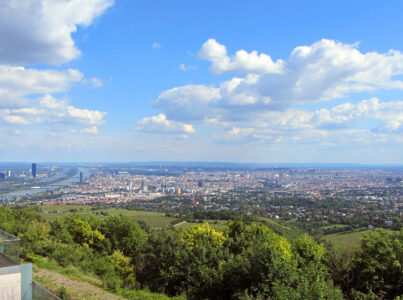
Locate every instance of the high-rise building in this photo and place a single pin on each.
(34, 170)
(9, 173)
(81, 177)
(2, 176)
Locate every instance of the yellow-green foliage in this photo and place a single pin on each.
(37, 231)
(269, 238)
(122, 267)
(83, 233)
(308, 249)
(281, 244)
(203, 234)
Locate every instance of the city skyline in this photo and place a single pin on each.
(262, 82)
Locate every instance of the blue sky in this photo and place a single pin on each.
(241, 81)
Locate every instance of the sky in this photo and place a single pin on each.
(231, 81)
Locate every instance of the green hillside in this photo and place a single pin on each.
(88, 253)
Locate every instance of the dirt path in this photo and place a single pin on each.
(76, 289)
(180, 223)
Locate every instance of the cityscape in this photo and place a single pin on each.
(355, 196)
(201, 150)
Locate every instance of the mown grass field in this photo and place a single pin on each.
(153, 219)
(341, 239)
(334, 226)
(346, 240)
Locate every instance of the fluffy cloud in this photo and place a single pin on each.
(39, 31)
(50, 110)
(18, 85)
(327, 70)
(17, 82)
(388, 114)
(242, 61)
(368, 121)
(90, 130)
(161, 125)
(323, 71)
(191, 102)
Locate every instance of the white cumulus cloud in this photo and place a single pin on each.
(323, 71)
(39, 31)
(17, 82)
(186, 103)
(90, 130)
(242, 61)
(161, 125)
(51, 110)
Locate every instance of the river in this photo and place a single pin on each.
(48, 184)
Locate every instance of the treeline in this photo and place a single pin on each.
(214, 215)
(199, 216)
(243, 262)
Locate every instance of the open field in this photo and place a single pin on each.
(334, 226)
(342, 239)
(349, 239)
(153, 219)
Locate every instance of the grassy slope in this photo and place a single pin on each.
(76, 289)
(349, 239)
(342, 239)
(83, 286)
(153, 219)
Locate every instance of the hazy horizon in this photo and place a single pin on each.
(207, 164)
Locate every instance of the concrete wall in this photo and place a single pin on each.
(10, 283)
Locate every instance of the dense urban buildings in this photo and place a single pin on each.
(364, 196)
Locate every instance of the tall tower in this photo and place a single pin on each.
(81, 177)
(34, 170)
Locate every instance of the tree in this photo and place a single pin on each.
(124, 234)
(123, 268)
(378, 265)
(165, 263)
(83, 234)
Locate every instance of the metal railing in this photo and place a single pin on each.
(10, 246)
(40, 293)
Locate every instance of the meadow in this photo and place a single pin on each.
(154, 219)
(347, 239)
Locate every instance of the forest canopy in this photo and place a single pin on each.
(245, 261)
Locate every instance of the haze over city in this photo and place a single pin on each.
(226, 81)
